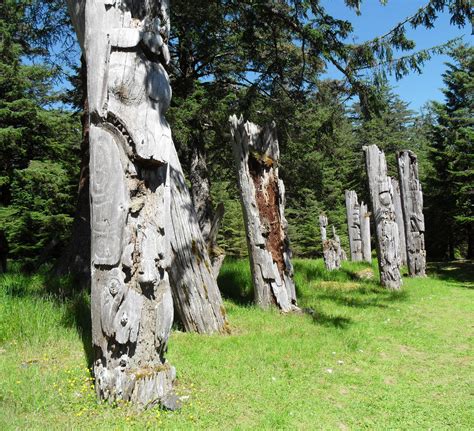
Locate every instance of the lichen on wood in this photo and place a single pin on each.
(262, 196)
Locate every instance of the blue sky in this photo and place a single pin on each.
(376, 19)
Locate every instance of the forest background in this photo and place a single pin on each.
(267, 61)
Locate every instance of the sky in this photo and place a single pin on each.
(376, 19)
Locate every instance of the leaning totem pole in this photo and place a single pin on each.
(412, 204)
(262, 196)
(386, 229)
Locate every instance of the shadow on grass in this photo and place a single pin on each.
(455, 271)
(78, 315)
(235, 282)
(62, 291)
(329, 320)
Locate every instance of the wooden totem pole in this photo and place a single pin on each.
(262, 196)
(354, 225)
(412, 204)
(132, 159)
(365, 232)
(331, 247)
(386, 229)
(397, 203)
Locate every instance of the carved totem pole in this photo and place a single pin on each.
(132, 159)
(262, 196)
(397, 203)
(412, 204)
(386, 229)
(358, 223)
(331, 247)
(365, 232)
(354, 225)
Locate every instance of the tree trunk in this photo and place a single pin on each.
(354, 225)
(196, 295)
(130, 146)
(397, 203)
(412, 203)
(331, 249)
(365, 232)
(386, 229)
(263, 201)
(77, 256)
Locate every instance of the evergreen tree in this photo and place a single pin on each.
(37, 156)
(450, 193)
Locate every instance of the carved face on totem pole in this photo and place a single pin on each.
(356, 223)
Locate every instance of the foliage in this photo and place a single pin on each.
(38, 145)
(451, 199)
(365, 358)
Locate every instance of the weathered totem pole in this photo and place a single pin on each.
(196, 295)
(131, 158)
(340, 251)
(262, 196)
(354, 225)
(397, 203)
(365, 232)
(412, 204)
(386, 229)
(331, 248)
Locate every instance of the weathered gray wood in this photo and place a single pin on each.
(262, 195)
(196, 295)
(331, 247)
(397, 203)
(216, 253)
(412, 204)
(130, 142)
(354, 225)
(340, 251)
(365, 232)
(200, 184)
(386, 229)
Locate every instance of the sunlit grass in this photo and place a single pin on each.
(358, 357)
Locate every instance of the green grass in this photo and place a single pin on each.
(359, 357)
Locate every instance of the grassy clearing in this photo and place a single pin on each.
(360, 357)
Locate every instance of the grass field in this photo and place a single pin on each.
(360, 357)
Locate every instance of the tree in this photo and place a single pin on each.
(38, 155)
(450, 196)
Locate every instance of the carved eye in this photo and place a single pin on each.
(114, 286)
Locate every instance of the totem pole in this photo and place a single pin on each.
(125, 47)
(386, 229)
(412, 203)
(262, 196)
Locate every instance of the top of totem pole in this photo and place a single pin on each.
(409, 153)
(261, 142)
